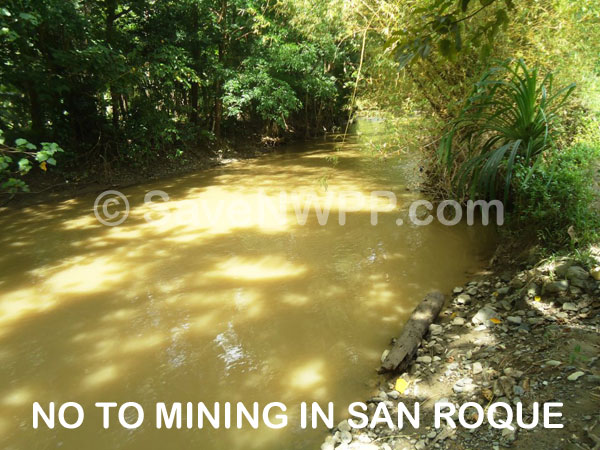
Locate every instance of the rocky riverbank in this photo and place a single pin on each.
(520, 336)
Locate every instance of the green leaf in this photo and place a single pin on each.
(29, 18)
(445, 48)
(24, 166)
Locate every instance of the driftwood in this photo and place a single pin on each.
(406, 346)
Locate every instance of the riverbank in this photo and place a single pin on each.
(522, 331)
(64, 183)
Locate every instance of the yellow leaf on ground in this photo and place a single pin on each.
(496, 321)
(401, 385)
(538, 298)
(43, 166)
(488, 394)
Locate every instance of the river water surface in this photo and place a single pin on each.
(221, 298)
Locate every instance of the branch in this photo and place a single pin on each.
(122, 13)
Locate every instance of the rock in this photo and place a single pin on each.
(424, 359)
(518, 281)
(394, 395)
(458, 321)
(532, 290)
(562, 315)
(505, 384)
(515, 320)
(345, 437)
(421, 445)
(561, 267)
(504, 290)
(593, 379)
(576, 273)
(457, 290)
(554, 287)
(509, 435)
(569, 306)
(463, 299)
(344, 426)
(553, 363)
(435, 329)
(595, 273)
(327, 446)
(518, 390)
(483, 315)
(463, 385)
(472, 291)
(575, 376)
(477, 368)
(506, 305)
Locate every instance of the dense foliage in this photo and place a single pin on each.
(507, 121)
(486, 132)
(134, 80)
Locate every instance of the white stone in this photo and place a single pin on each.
(575, 376)
(458, 321)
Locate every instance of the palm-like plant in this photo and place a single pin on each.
(507, 120)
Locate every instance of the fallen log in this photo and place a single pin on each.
(407, 344)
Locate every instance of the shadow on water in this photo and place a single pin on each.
(209, 306)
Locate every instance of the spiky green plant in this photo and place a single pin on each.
(508, 119)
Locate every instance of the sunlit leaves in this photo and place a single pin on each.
(449, 26)
(25, 152)
(507, 121)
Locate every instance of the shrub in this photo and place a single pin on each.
(557, 196)
(508, 120)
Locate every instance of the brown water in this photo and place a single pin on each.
(215, 307)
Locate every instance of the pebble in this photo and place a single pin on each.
(483, 315)
(576, 273)
(553, 363)
(477, 368)
(575, 376)
(424, 359)
(595, 273)
(569, 306)
(344, 426)
(345, 437)
(463, 299)
(555, 287)
(435, 329)
(458, 321)
(515, 320)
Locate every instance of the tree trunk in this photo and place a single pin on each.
(111, 16)
(407, 344)
(222, 21)
(35, 109)
(195, 65)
